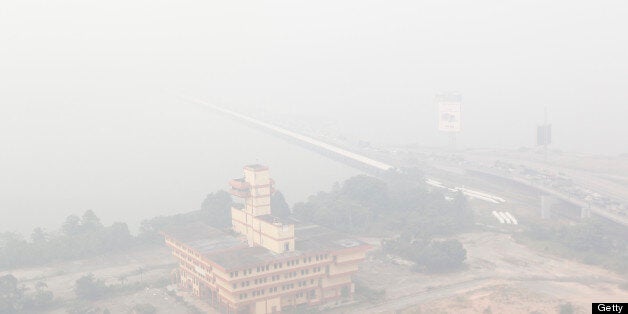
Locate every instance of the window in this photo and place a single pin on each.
(286, 246)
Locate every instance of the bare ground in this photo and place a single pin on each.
(500, 274)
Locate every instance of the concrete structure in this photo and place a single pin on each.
(352, 158)
(264, 265)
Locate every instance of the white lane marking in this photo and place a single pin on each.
(501, 220)
(512, 218)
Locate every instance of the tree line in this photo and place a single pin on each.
(86, 236)
(398, 205)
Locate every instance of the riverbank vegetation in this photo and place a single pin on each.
(400, 206)
(398, 203)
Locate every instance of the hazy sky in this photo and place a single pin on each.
(74, 72)
(374, 66)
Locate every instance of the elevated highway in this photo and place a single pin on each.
(597, 210)
(351, 158)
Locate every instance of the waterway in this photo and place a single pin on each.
(138, 158)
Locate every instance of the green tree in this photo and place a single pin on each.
(216, 209)
(441, 256)
(90, 222)
(144, 308)
(366, 190)
(279, 206)
(10, 294)
(117, 236)
(39, 236)
(71, 226)
(90, 288)
(566, 308)
(43, 297)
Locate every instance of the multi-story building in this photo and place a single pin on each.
(264, 265)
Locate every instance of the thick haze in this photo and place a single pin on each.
(89, 117)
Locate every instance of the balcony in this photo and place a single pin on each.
(240, 193)
(239, 184)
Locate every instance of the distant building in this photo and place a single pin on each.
(265, 265)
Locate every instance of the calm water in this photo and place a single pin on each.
(134, 159)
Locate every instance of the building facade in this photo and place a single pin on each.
(264, 265)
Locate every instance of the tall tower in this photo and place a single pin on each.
(253, 218)
(255, 188)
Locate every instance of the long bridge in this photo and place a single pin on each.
(377, 167)
(309, 141)
(351, 158)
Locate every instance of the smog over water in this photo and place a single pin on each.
(304, 157)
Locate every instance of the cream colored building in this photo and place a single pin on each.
(265, 265)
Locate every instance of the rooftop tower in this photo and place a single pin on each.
(253, 218)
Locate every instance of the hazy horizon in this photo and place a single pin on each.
(93, 85)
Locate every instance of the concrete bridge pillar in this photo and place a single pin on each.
(585, 213)
(546, 205)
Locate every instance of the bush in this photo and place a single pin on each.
(441, 256)
(90, 288)
(566, 308)
(144, 308)
(433, 256)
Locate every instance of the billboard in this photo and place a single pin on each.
(448, 112)
(449, 117)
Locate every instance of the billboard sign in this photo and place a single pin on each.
(449, 116)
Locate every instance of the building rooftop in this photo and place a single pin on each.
(204, 239)
(256, 167)
(232, 253)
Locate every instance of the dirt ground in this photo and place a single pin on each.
(500, 276)
(499, 273)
